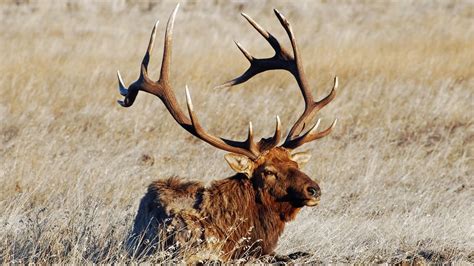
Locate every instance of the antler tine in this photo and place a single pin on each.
(130, 94)
(245, 52)
(265, 34)
(309, 136)
(299, 71)
(277, 136)
(122, 89)
(275, 140)
(146, 58)
(250, 142)
(323, 102)
(166, 61)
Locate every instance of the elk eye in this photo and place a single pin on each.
(269, 173)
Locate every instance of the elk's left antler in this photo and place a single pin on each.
(292, 63)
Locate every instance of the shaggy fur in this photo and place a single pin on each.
(234, 217)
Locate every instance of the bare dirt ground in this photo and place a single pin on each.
(396, 173)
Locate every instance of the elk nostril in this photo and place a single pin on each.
(313, 192)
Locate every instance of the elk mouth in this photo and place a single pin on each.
(299, 202)
(312, 202)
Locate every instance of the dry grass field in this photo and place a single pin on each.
(396, 173)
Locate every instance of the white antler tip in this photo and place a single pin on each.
(169, 27)
(317, 123)
(336, 82)
(250, 129)
(315, 127)
(188, 99)
(278, 124)
(122, 89)
(175, 10)
(239, 46)
(334, 123)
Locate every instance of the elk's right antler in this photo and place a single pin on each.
(162, 88)
(292, 63)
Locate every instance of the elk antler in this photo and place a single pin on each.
(292, 63)
(163, 90)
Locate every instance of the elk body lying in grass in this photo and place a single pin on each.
(242, 215)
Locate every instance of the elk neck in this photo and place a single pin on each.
(249, 213)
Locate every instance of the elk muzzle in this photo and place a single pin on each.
(303, 190)
(313, 195)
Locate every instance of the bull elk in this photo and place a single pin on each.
(242, 215)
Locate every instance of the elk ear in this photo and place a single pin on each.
(240, 163)
(301, 158)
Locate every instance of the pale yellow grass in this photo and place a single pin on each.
(396, 173)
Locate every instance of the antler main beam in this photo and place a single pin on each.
(292, 63)
(163, 90)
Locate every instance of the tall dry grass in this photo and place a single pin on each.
(396, 173)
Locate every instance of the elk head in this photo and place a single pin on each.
(272, 168)
(276, 175)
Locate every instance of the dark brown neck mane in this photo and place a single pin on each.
(235, 211)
